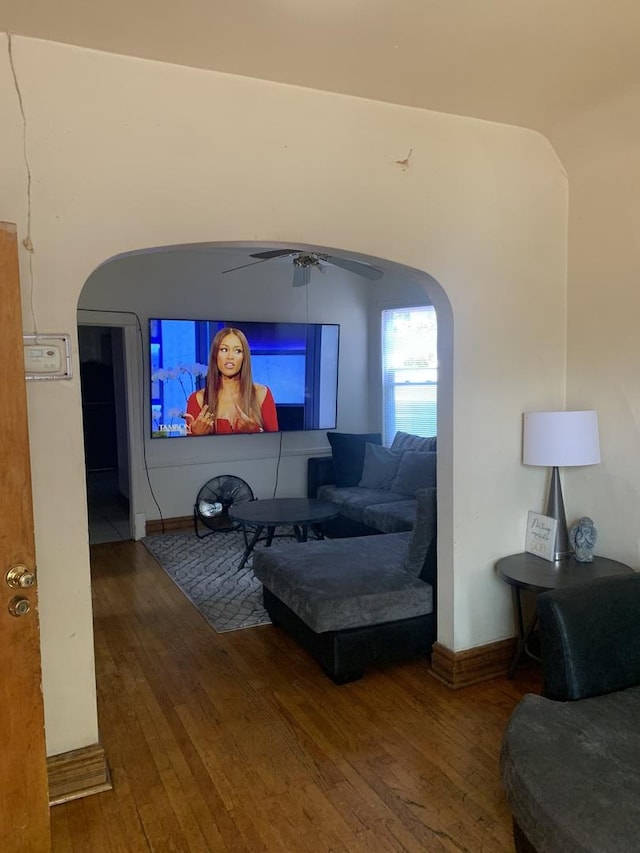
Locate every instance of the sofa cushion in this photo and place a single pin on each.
(380, 466)
(407, 441)
(352, 501)
(424, 530)
(345, 583)
(391, 517)
(347, 450)
(570, 772)
(417, 470)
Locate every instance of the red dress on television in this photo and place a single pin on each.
(225, 427)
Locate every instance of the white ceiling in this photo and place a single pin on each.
(525, 62)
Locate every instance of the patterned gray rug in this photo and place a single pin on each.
(206, 570)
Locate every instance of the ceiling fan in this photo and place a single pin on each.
(304, 262)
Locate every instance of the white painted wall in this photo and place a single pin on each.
(126, 154)
(601, 151)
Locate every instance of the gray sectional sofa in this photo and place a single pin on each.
(373, 486)
(361, 600)
(570, 758)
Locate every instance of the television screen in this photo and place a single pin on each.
(222, 377)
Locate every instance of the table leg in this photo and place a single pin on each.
(517, 603)
(250, 547)
(530, 629)
(524, 635)
(300, 532)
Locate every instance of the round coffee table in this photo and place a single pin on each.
(528, 572)
(298, 512)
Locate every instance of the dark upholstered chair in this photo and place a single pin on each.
(590, 638)
(570, 759)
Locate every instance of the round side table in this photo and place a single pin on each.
(527, 572)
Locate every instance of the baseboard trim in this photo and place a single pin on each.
(167, 525)
(461, 669)
(77, 774)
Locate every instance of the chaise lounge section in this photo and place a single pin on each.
(349, 603)
(357, 602)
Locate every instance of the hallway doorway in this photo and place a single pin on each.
(104, 416)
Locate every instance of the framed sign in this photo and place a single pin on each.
(541, 535)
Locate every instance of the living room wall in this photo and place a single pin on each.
(126, 154)
(601, 151)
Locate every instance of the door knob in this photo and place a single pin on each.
(19, 577)
(19, 606)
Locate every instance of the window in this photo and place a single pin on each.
(409, 371)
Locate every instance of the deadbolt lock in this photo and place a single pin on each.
(19, 606)
(19, 577)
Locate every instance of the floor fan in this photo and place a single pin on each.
(215, 498)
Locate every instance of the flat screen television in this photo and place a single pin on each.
(296, 362)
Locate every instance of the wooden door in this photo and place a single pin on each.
(24, 806)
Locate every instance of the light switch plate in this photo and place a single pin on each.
(47, 356)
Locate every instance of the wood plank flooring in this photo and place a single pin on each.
(239, 742)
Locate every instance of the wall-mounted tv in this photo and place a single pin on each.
(222, 377)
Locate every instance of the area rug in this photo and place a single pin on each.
(206, 570)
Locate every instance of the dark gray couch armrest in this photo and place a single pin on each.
(320, 472)
(590, 637)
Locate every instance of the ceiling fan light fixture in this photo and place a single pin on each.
(304, 261)
(307, 259)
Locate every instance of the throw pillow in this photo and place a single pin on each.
(416, 471)
(424, 531)
(380, 467)
(347, 449)
(407, 441)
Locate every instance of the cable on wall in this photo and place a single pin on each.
(275, 486)
(306, 308)
(27, 242)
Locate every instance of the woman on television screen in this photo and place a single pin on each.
(230, 401)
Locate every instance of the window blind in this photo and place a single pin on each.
(409, 371)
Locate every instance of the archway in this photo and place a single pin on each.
(190, 282)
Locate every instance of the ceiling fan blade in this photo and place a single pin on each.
(301, 276)
(242, 266)
(357, 267)
(275, 253)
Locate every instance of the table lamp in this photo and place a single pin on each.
(560, 439)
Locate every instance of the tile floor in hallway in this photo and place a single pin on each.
(108, 513)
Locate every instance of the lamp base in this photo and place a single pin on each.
(555, 509)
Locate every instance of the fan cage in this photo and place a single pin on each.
(213, 502)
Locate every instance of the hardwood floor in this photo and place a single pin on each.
(239, 742)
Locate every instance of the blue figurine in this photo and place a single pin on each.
(583, 537)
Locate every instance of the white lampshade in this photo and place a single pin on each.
(561, 439)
